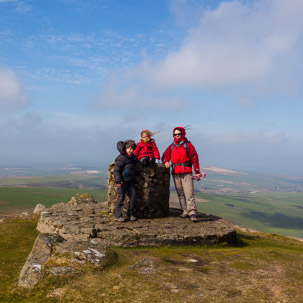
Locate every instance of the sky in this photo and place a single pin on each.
(77, 76)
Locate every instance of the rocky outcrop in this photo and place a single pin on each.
(152, 189)
(85, 230)
(81, 248)
(94, 220)
(39, 209)
(42, 249)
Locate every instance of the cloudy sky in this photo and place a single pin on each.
(77, 76)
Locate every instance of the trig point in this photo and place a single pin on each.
(152, 188)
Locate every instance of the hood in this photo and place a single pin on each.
(121, 147)
(182, 138)
(145, 131)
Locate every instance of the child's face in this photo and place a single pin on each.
(145, 137)
(129, 150)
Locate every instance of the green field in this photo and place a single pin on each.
(277, 212)
(16, 199)
(98, 181)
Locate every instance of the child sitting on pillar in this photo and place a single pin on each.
(124, 174)
(147, 151)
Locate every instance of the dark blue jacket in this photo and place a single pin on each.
(125, 165)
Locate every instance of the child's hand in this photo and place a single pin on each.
(119, 184)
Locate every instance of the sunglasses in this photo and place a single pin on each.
(178, 134)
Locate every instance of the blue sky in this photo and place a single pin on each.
(78, 76)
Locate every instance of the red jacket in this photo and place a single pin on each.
(147, 149)
(181, 160)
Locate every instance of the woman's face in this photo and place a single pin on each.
(177, 134)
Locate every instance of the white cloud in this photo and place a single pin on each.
(21, 6)
(242, 50)
(233, 44)
(122, 95)
(186, 12)
(12, 96)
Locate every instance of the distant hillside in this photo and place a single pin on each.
(220, 180)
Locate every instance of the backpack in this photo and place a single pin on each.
(188, 164)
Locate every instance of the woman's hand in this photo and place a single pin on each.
(167, 165)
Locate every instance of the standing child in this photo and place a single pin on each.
(124, 174)
(147, 151)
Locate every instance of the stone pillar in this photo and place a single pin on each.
(152, 192)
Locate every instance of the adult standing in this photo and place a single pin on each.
(183, 156)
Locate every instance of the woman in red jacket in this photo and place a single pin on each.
(182, 155)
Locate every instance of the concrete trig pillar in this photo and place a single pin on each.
(152, 191)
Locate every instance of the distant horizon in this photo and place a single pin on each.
(103, 164)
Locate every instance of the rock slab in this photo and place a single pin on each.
(42, 249)
(94, 220)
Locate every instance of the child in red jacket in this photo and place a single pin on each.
(147, 151)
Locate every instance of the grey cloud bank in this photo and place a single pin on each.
(30, 139)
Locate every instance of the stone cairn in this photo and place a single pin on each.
(82, 231)
(152, 188)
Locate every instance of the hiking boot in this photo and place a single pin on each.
(184, 215)
(121, 219)
(133, 218)
(194, 218)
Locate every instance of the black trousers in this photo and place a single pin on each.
(130, 188)
(148, 162)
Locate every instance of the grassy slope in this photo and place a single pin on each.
(263, 268)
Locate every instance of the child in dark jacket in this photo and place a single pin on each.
(124, 174)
